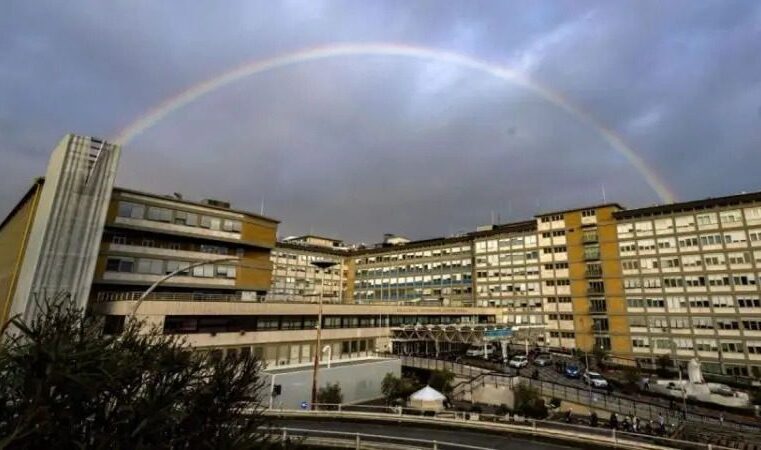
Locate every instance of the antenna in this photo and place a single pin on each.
(492, 217)
(602, 186)
(261, 208)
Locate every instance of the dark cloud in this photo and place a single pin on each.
(355, 147)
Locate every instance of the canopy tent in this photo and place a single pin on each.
(427, 399)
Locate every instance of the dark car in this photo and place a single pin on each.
(572, 371)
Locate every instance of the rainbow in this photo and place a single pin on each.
(193, 93)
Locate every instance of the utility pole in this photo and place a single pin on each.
(317, 349)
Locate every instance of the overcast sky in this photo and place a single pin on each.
(355, 147)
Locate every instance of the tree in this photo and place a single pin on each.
(664, 364)
(529, 402)
(599, 354)
(441, 380)
(395, 388)
(330, 394)
(67, 385)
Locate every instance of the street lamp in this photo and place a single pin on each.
(681, 385)
(317, 350)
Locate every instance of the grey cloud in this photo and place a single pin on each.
(356, 147)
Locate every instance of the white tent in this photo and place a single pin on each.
(427, 399)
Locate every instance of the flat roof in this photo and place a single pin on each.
(312, 248)
(564, 211)
(317, 236)
(194, 203)
(710, 202)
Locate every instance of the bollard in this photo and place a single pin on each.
(358, 446)
(533, 426)
(710, 446)
(339, 407)
(285, 435)
(435, 446)
(615, 439)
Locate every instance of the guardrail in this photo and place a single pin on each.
(363, 440)
(512, 424)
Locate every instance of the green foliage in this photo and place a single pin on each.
(501, 410)
(330, 394)
(600, 355)
(664, 364)
(65, 385)
(441, 380)
(395, 389)
(529, 402)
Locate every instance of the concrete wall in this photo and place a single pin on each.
(359, 381)
(65, 235)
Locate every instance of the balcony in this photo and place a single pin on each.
(591, 254)
(589, 237)
(593, 273)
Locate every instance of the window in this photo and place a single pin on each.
(635, 302)
(172, 266)
(213, 223)
(120, 264)
(706, 219)
(119, 240)
(131, 210)
(150, 266)
(186, 218)
(159, 214)
(588, 213)
(749, 302)
(231, 225)
(204, 271)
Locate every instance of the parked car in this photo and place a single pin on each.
(518, 361)
(478, 350)
(595, 379)
(572, 371)
(543, 359)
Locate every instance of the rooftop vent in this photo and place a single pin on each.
(217, 203)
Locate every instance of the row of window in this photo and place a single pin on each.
(687, 322)
(413, 255)
(514, 242)
(178, 217)
(726, 218)
(710, 260)
(736, 280)
(700, 345)
(414, 268)
(151, 266)
(692, 243)
(681, 303)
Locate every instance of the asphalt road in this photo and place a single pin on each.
(458, 436)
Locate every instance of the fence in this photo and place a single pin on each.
(486, 422)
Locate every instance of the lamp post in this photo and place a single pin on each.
(182, 269)
(317, 350)
(681, 385)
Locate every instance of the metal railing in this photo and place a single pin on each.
(359, 440)
(491, 422)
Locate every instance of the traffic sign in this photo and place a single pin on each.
(304, 405)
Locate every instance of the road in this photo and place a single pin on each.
(670, 407)
(458, 436)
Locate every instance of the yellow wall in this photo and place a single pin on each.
(351, 268)
(255, 270)
(582, 323)
(620, 340)
(13, 239)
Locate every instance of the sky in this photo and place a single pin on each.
(354, 147)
